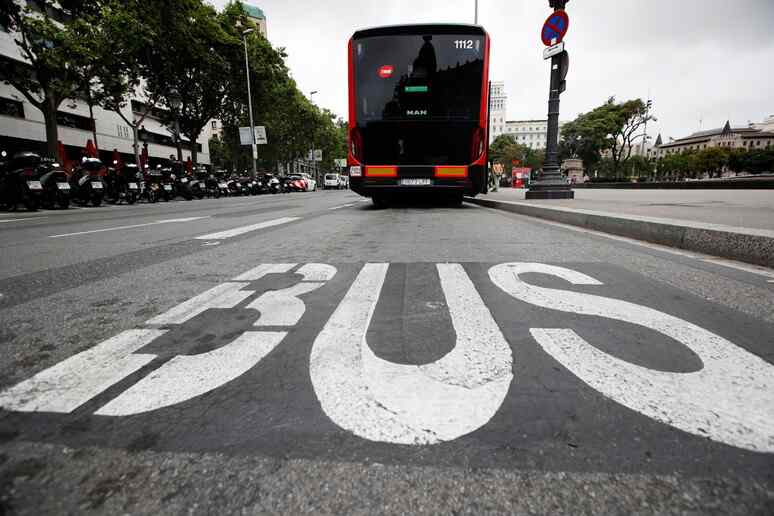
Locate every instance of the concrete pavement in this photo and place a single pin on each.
(736, 224)
(149, 369)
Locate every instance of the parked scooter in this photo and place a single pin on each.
(20, 183)
(87, 182)
(56, 186)
(121, 183)
(151, 185)
(155, 183)
(234, 186)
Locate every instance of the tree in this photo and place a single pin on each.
(612, 129)
(51, 38)
(122, 33)
(506, 151)
(191, 63)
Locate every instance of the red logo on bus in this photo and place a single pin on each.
(385, 72)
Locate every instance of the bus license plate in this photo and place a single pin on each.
(416, 182)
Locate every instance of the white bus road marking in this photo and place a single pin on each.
(74, 381)
(406, 404)
(247, 229)
(117, 228)
(729, 400)
(185, 377)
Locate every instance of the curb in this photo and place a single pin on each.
(749, 245)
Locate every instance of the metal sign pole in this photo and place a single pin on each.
(253, 148)
(551, 184)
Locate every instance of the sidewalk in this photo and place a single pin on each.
(737, 224)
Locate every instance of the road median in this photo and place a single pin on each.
(751, 245)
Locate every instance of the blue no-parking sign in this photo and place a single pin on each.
(555, 28)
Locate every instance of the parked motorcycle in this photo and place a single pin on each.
(151, 185)
(87, 182)
(155, 180)
(121, 184)
(223, 187)
(234, 186)
(20, 182)
(56, 186)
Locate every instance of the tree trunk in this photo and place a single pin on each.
(93, 121)
(52, 129)
(136, 143)
(194, 149)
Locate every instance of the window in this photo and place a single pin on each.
(214, 124)
(75, 121)
(12, 108)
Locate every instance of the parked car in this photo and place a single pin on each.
(332, 182)
(311, 184)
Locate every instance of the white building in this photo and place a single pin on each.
(22, 126)
(498, 103)
(256, 16)
(532, 133)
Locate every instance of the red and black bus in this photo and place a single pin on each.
(418, 110)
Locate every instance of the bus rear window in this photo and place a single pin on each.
(416, 77)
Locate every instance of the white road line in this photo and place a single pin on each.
(246, 229)
(342, 206)
(408, 404)
(752, 269)
(185, 377)
(608, 236)
(117, 228)
(728, 400)
(19, 220)
(71, 383)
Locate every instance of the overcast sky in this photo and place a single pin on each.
(701, 60)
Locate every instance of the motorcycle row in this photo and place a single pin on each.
(33, 181)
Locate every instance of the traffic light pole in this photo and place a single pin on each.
(551, 184)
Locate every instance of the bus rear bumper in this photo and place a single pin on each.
(405, 183)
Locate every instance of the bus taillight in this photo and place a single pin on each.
(476, 144)
(356, 143)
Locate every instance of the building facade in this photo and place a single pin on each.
(532, 133)
(498, 107)
(22, 127)
(753, 137)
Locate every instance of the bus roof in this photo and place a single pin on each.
(426, 28)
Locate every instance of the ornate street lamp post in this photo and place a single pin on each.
(551, 184)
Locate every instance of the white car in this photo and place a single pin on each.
(332, 181)
(311, 184)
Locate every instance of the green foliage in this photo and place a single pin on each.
(56, 51)
(505, 150)
(612, 129)
(177, 50)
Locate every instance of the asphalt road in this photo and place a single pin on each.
(311, 353)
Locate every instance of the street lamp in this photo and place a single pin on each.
(551, 184)
(253, 150)
(311, 153)
(174, 104)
